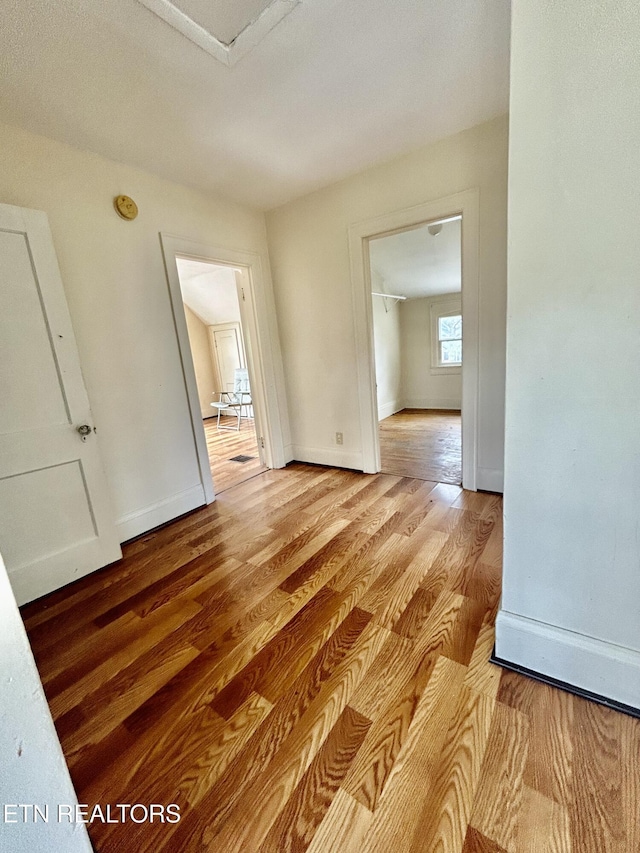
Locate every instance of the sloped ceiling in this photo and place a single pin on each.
(416, 264)
(209, 290)
(336, 86)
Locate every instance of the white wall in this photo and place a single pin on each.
(309, 251)
(32, 766)
(387, 348)
(422, 386)
(571, 602)
(202, 362)
(115, 283)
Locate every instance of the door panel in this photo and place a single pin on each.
(228, 354)
(28, 497)
(55, 516)
(26, 346)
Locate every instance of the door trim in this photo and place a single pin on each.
(262, 353)
(466, 204)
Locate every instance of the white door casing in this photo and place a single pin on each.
(260, 343)
(56, 521)
(466, 204)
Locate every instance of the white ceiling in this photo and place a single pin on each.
(209, 290)
(224, 19)
(416, 264)
(336, 86)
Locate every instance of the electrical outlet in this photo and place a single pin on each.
(339, 438)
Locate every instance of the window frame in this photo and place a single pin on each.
(443, 308)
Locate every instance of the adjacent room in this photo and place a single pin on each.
(219, 353)
(416, 280)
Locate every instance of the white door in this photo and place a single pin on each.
(227, 347)
(55, 516)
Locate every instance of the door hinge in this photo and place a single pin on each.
(242, 290)
(262, 442)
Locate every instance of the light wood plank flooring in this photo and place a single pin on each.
(223, 444)
(421, 443)
(303, 666)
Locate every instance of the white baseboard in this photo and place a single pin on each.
(288, 453)
(578, 660)
(135, 523)
(328, 456)
(433, 403)
(388, 409)
(490, 479)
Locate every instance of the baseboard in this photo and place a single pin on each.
(446, 403)
(490, 480)
(562, 685)
(603, 669)
(135, 523)
(388, 409)
(328, 456)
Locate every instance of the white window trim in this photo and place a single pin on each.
(442, 308)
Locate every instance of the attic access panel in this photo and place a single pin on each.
(224, 19)
(225, 29)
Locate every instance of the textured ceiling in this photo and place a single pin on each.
(335, 87)
(416, 264)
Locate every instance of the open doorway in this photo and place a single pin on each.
(416, 287)
(220, 359)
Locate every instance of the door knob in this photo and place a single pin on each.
(84, 430)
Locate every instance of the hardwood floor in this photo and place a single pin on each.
(223, 445)
(421, 443)
(303, 666)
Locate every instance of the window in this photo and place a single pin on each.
(446, 335)
(450, 340)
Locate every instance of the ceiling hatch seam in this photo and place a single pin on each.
(253, 33)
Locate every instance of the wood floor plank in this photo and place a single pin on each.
(444, 820)
(549, 767)
(400, 657)
(499, 796)
(106, 707)
(629, 753)
(461, 643)
(255, 675)
(368, 776)
(483, 676)
(476, 842)
(391, 610)
(343, 827)
(544, 826)
(400, 807)
(298, 821)
(595, 811)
